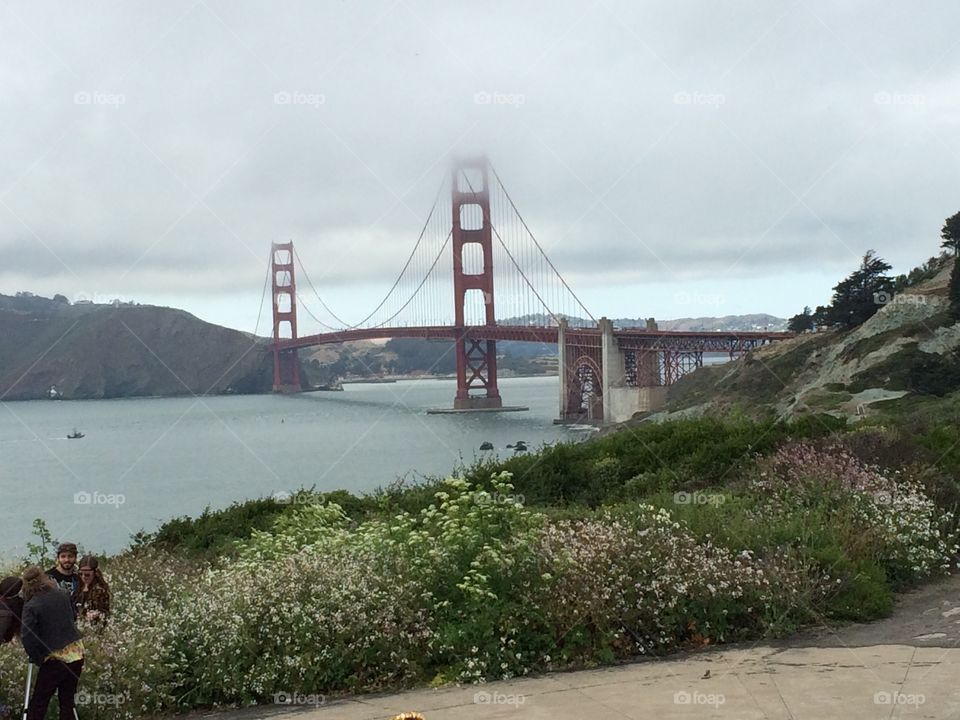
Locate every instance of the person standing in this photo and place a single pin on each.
(92, 599)
(51, 640)
(11, 608)
(64, 573)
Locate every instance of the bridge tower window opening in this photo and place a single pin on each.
(471, 180)
(471, 217)
(475, 307)
(285, 330)
(472, 259)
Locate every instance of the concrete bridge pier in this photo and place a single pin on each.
(620, 399)
(562, 367)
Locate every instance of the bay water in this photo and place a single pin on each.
(146, 460)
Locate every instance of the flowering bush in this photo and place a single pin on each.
(883, 515)
(638, 582)
(477, 586)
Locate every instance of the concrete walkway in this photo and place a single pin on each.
(907, 666)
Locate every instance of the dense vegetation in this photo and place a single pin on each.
(628, 465)
(643, 541)
(861, 294)
(855, 299)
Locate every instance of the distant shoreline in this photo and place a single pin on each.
(352, 381)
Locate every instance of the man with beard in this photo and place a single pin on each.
(64, 573)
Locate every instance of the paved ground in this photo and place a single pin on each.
(907, 666)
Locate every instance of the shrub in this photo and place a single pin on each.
(874, 517)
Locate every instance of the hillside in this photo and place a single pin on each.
(755, 321)
(88, 350)
(906, 350)
(758, 321)
(108, 351)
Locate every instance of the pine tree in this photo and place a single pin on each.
(802, 322)
(954, 290)
(862, 293)
(951, 234)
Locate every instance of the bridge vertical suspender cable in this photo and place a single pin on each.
(534, 260)
(411, 260)
(538, 246)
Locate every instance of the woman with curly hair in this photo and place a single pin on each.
(91, 601)
(50, 638)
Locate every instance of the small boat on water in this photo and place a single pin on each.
(75, 435)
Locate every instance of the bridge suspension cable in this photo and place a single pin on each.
(303, 269)
(263, 296)
(529, 289)
(415, 273)
(535, 272)
(526, 227)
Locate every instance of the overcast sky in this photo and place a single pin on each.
(673, 158)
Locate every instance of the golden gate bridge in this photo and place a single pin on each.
(476, 276)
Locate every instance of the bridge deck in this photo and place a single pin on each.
(627, 338)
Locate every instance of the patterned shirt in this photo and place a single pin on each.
(71, 653)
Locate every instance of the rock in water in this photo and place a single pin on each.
(486, 445)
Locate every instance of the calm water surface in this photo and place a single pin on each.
(176, 456)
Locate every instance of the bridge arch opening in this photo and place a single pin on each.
(585, 386)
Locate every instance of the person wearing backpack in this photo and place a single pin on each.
(51, 640)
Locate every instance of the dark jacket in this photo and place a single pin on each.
(10, 611)
(47, 624)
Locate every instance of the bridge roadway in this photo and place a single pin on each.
(627, 338)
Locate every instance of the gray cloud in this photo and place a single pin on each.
(159, 149)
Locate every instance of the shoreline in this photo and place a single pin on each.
(351, 381)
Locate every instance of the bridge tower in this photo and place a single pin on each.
(476, 358)
(286, 363)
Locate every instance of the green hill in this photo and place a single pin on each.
(904, 355)
(109, 351)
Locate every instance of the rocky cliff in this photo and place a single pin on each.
(909, 350)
